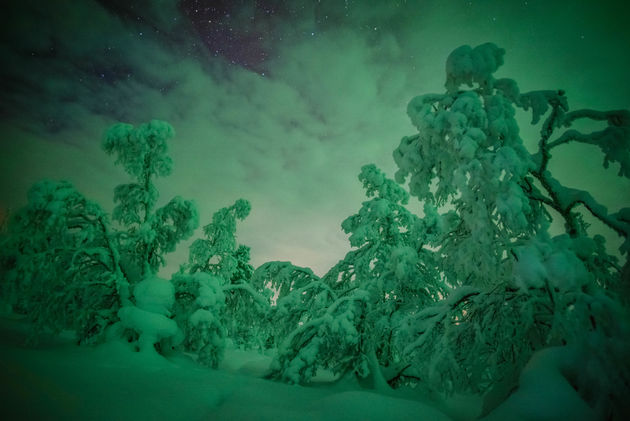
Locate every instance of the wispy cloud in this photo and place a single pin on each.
(333, 98)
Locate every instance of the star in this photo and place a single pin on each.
(241, 39)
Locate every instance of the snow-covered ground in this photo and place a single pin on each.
(59, 380)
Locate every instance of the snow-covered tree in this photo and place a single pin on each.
(61, 267)
(219, 256)
(218, 253)
(148, 233)
(468, 154)
(199, 308)
(388, 275)
(517, 288)
(295, 295)
(66, 268)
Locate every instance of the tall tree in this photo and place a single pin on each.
(512, 279)
(148, 233)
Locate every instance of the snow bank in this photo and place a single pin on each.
(307, 404)
(62, 381)
(545, 392)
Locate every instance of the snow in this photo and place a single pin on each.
(551, 261)
(154, 299)
(466, 65)
(544, 392)
(151, 326)
(111, 382)
(210, 293)
(529, 270)
(155, 295)
(202, 316)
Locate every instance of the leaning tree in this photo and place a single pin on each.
(60, 265)
(516, 288)
(389, 275)
(67, 266)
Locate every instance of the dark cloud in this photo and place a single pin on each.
(61, 55)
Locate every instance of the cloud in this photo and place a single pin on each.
(292, 142)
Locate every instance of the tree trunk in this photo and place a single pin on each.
(375, 379)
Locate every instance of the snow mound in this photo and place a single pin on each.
(545, 392)
(155, 294)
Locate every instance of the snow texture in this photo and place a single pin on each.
(466, 65)
(545, 391)
(149, 318)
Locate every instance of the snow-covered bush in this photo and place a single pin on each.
(199, 307)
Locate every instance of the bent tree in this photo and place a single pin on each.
(67, 266)
(516, 288)
(388, 276)
(60, 265)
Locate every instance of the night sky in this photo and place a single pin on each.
(279, 102)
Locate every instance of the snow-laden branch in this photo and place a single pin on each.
(430, 317)
(614, 142)
(259, 298)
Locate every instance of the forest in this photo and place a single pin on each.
(500, 266)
